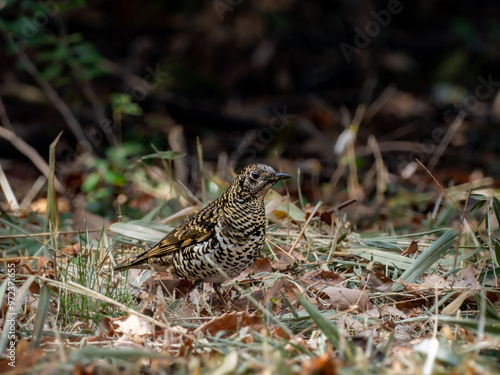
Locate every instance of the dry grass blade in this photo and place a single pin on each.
(305, 226)
(7, 191)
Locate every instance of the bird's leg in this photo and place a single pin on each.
(199, 286)
(218, 289)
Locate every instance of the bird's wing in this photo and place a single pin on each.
(197, 229)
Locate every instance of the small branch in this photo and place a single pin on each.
(54, 97)
(31, 154)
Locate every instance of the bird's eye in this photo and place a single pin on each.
(255, 175)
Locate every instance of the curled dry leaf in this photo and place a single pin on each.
(343, 299)
(321, 278)
(230, 322)
(411, 249)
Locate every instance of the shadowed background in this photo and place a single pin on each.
(273, 81)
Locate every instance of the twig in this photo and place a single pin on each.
(31, 154)
(305, 226)
(4, 117)
(85, 85)
(54, 97)
(443, 145)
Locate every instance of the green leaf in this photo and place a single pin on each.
(477, 206)
(122, 104)
(90, 182)
(114, 178)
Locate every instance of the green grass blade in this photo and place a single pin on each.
(491, 327)
(41, 313)
(428, 258)
(327, 327)
(52, 209)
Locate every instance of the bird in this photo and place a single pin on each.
(227, 235)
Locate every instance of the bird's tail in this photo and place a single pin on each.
(138, 260)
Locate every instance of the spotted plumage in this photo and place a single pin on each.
(229, 232)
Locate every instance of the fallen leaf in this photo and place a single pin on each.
(391, 310)
(285, 260)
(322, 278)
(466, 279)
(321, 365)
(260, 265)
(434, 282)
(411, 249)
(343, 299)
(230, 322)
(72, 250)
(170, 286)
(133, 327)
(379, 282)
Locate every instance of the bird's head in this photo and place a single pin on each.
(255, 180)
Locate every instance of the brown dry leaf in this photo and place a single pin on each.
(411, 249)
(321, 365)
(391, 310)
(434, 281)
(230, 322)
(321, 278)
(72, 250)
(466, 279)
(343, 299)
(106, 328)
(169, 285)
(45, 267)
(24, 358)
(285, 260)
(260, 265)
(379, 282)
(403, 333)
(133, 327)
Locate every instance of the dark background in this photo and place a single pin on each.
(223, 70)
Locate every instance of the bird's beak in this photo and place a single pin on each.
(279, 176)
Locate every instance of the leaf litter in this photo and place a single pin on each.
(384, 295)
